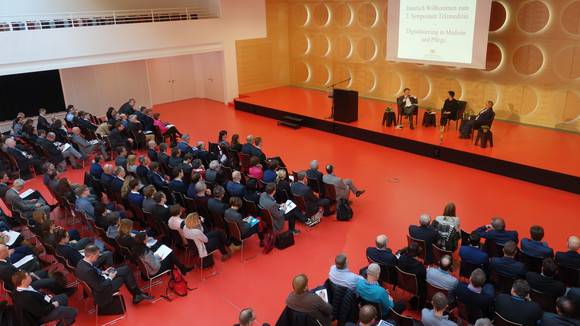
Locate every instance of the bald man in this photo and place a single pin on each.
(86, 147)
(441, 277)
(234, 187)
(380, 253)
(426, 232)
(570, 258)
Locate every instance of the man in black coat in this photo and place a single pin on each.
(381, 254)
(118, 138)
(477, 294)
(484, 114)
(570, 258)
(408, 263)
(215, 204)
(128, 107)
(42, 122)
(427, 233)
(118, 180)
(84, 122)
(408, 105)
(121, 159)
(35, 307)
(565, 309)
(136, 128)
(58, 156)
(248, 147)
(300, 187)
(105, 283)
(161, 211)
(151, 150)
(518, 307)
(507, 266)
(24, 160)
(545, 281)
(156, 178)
(313, 173)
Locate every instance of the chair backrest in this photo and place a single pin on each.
(330, 192)
(251, 208)
(546, 301)
(314, 185)
(388, 273)
(420, 243)
(407, 282)
(533, 264)
(142, 268)
(234, 230)
(465, 238)
(468, 313)
(245, 161)
(462, 105)
(432, 289)
(466, 268)
(569, 276)
(500, 321)
(266, 217)
(503, 283)
(402, 320)
(218, 221)
(190, 204)
(438, 253)
(138, 213)
(300, 203)
(494, 249)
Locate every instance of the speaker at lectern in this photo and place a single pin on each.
(345, 105)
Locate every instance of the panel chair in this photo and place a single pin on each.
(191, 246)
(89, 294)
(477, 124)
(402, 320)
(236, 233)
(501, 321)
(460, 111)
(153, 280)
(421, 244)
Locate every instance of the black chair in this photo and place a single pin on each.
(546, 301)
(462, 105)
(421, 244)
(295, 318)
(466, 268)
(533, 264)
(477, 124)
(501, 321)
(502, 283)
(314, 184)
(402, 320)
(569, 276)
(407, 282)
(468, 313)
(494, 249)
(388, 273)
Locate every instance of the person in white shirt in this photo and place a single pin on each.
(340, 275)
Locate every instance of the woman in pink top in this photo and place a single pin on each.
(162, 126)
(256, 170)
(207, 242)
(175, 221)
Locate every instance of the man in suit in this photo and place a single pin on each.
(84, 122)
(495, 231)
(313, 173)
(477, 294)
(42, 122)
(54, 181)
(234, 187)
(142, 170)
(199, 193)
(96, 170)
(177, 184)
(41, 280)
(149, 122)
(426, 232)
(161, 211)
(570, 258)
(136, 128)
(184, 145)
(277, 211)
(343, 187)
(134, 196)
(105, 283)
(408, 105)
(484, 114)
(156, 178)
(409, 263)
(175, 158)
(58, 154)
(257, 151)
(215, 174)
(215, 204)
(33, 306)
(203, 154)
(507, 266)
(186, 164)
(118, 180)
(472, 254)
(565, 309)
(162, 156)
(118, 138)
(545, 281)
(24, 160)
(300, 188)
(26, 207)
(151, 150)
(87, 147)
(535, 246)
(517, 307)
(72, 255)
(107, 176)
(248, 147)
(128, 107)
(380, 253)
(121, 159)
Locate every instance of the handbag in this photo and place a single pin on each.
(284, 240)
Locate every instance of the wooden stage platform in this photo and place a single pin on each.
(546, 157)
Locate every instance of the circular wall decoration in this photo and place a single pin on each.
(339, 74)
(493, 58)
(342, 47)
(528, 59)
(322, 75)
(565, 106)
(367, 15)
(342, 15)
(301, 44)
(522, 101)
(301, 72)
(567, 63)
(366, 80)
(533, 16)
(321, 15)
(389, 82)
(367, 48)
(486, 92)
(570, 18)
(320, 44)
(498, 16)
(449, 84)
(301, 15)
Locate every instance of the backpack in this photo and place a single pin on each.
(448, 236)
(178, 284)
(343, 210)
(269, 241)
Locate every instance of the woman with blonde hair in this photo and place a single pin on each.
(124, 235)
(206, 242)
(131, 167)
(125, 188)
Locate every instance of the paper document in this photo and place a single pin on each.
(289, 206)
(65, 147)
(151, 242)
(13, 235)
(94, 141)
(323, 294)
(163, 251)
(23, 261)
(169, 126)
(26, 193)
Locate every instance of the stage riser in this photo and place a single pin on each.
(505, 168)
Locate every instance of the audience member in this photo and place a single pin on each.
(483, 322)
(128, 107)
(380, 253)
(107, 175)
(565, 309)
(408, 263)
(118, 138)
(371, 291)
(176, 222)
(570, 258)
(472, 254)
(26, 207)
(236, 145)
(257, 151)
(199, 193)
(156, 178)
(184, 145)
(507, 266)
(87, 147)
(152, 150)
(278, 211)
(246, 229)
(435, 316)
(313, 202)
(339, 273)
(160, 211)
(518, 307)
(447, 226)
(175, 158)
(148, 201)
(545, 282)
(142, 170)
(252, 193)
(248, 147)
(535, 246)
(270, 174)
(207, 242)
(96, 170)
(154, 264)
(234, 187)
(255, 170)
(313, 173)
(215, 204)
(24, 160)
(74, 255)
(177, 184)
(343, 187)
(247, 318)
(497, 233)
(366, 316)
(308, 303)
(215, 174)
(162, 156)
(427, 233)
(166, 129)
(477, 294)
(442, 278)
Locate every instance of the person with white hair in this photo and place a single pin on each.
(60, 152)
(26, 207)
(184, 146)
(426, 232)
(313, 173)
(215, 174)
(87, 147)
(24, 160)
(343, 186)
(371, 291)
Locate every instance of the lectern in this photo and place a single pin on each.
(345, 104)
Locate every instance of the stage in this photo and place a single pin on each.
(546, 157)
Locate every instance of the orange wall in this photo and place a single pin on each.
(533, 60)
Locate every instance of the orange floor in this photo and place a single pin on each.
(537, 147)
(399, 187)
